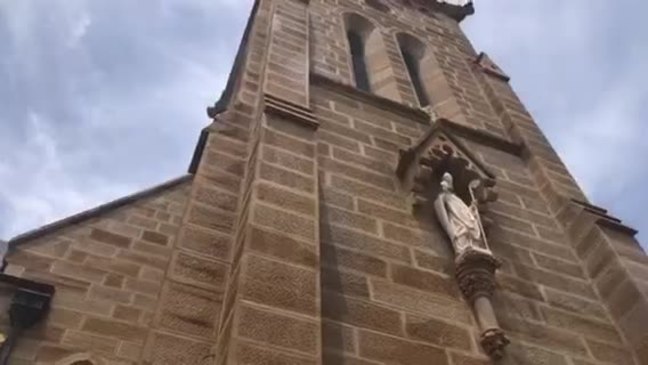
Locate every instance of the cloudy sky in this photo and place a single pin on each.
(99, 99)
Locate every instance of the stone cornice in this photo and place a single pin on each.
(416, 114)
(604, 219)
(296, 113)
(483, 137)
(419, 115)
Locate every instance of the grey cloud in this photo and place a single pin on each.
(104, 98)
(579, 66)
(119, 89)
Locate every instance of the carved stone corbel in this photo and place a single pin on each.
(475, 273)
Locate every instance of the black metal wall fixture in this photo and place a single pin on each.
(30, 304)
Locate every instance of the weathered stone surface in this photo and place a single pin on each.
(296, 225)
(279, 285)
(155, 237)
(417, 301)
(338, 337)
(361, 313)
(168, 349)
(440, 264)
(341, 168)
(189, 310)
(210, 243)
(114, 329)
(332, 358)
(279, 330)
(364, 243)
(609, 353)
(424, 280)
(349, 219)
(288, 160)
(344, 283)
(398, 351)
(211, 218)
(522, 354)
(285, 199)
(249, 354)
(575, 304)
(110, 238)
(198, 270)
(336, 256)
(436, 332)
(516, 305)
(458, 359)
(335, 198)
(294, 212)
(288, 143)
(542, 335)
(559, 266)
(589, 327)
(283, 247)
(556, 281)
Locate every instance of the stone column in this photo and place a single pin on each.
(475, 272)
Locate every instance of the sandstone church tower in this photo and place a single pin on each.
(370, 191)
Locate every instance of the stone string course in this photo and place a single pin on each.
(294, 242)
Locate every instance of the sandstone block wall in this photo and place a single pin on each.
(110, 272)
(295, 242)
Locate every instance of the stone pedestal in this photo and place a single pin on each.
(475, 272)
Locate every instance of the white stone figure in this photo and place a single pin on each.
(460, 221)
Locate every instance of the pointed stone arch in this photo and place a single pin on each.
(416, 56)
(379, 71)
(421, 166)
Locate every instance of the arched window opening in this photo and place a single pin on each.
(358, 31)
(372, 68)
(413, 52)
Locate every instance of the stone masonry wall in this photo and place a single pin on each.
(389, 294)
(120, 281)
(295, 243)
(550, 300)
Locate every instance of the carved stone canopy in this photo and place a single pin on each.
(421, 167)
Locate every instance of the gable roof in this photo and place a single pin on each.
(96, 211)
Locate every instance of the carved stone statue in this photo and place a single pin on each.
(460, 221)
(475, 264)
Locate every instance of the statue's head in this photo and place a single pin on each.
(446, 182)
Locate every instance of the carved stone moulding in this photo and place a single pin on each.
(422, 166)
(293, 112)
(475, 273)
(494, 341)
